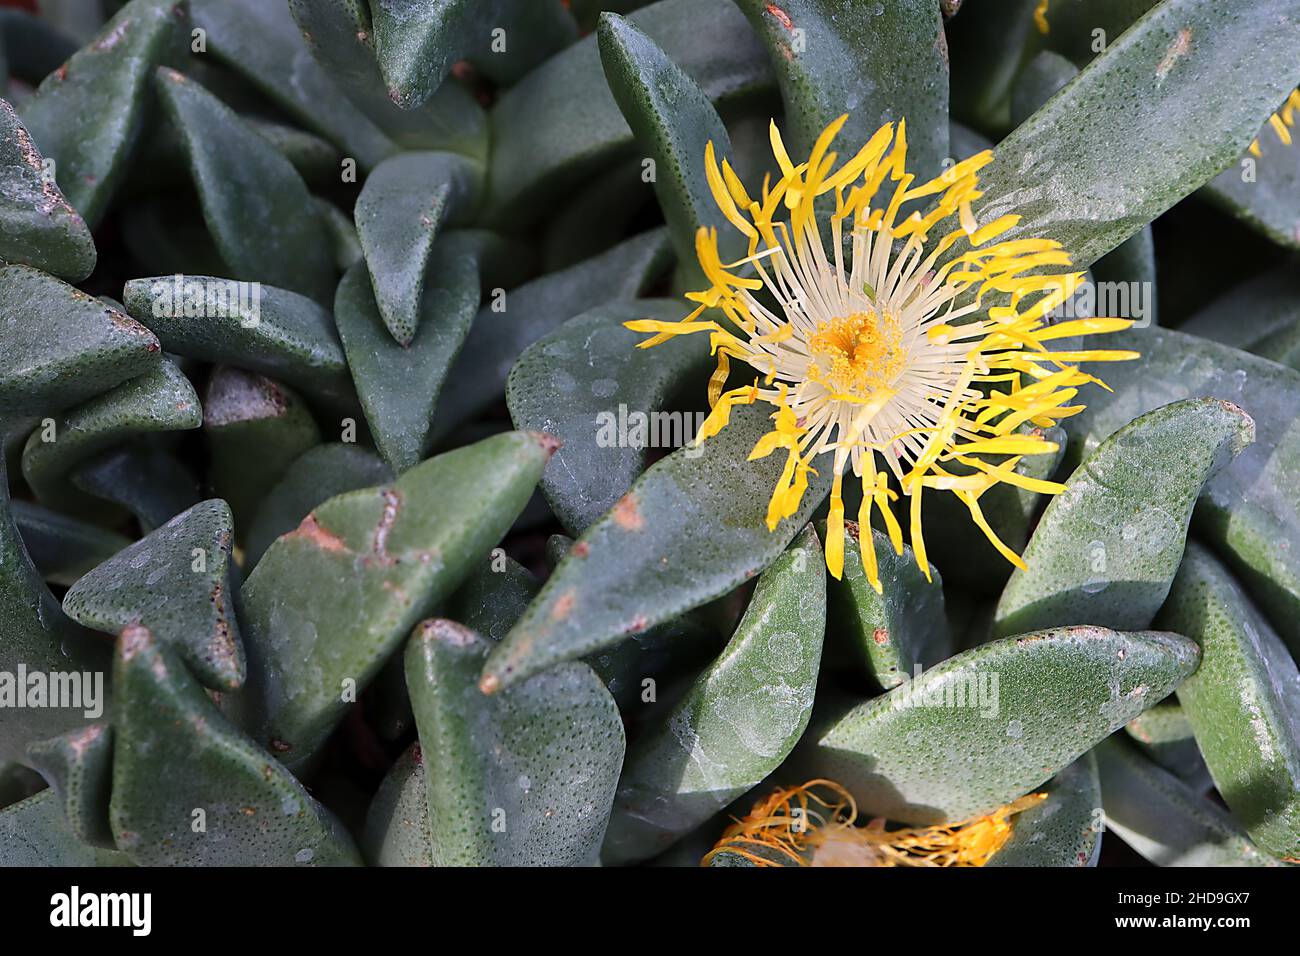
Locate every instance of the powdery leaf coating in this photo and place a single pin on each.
(571, 382)
(952, 744)
(525, 777)
(690, 529)
(1243, 702)
(738, 721)
(176, 582)
(36, 832)
(255, 813)
(1108, 546)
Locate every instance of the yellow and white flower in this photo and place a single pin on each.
(911, 348)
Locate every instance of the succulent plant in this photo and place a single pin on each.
(369, 498)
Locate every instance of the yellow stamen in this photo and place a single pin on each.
(815, 825)
(1040, 16)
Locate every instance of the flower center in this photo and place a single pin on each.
(857, 354)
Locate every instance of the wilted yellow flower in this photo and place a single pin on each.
(802, 827)
(883, 347)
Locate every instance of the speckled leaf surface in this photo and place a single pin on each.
(893, 633)
(393, 553)
(1065, 829)
(913, 756)
(160, 400)
(261, 41)
(34, 633)
(1162, 91)
(399, 384)
(542, 146)
(525, 777)
(317, 475)
(38, 226)
(402, 207)
(1108, 546)
(177, 582)
(690, 529)
(262, 329)
(673, 122)
(738, 721)
(1163, 819)
(87, 115)
(398, 831)
(250, 418)
(608, 402)
(255, 204)
(35, 832)
(1248, 512)
(418, 43)
(254, 811)
(879, 63)
(1243, 702)
(61, 346)
(339, 35)
(63, 548)
(497, 338)
(78, 767)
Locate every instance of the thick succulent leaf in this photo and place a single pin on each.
(1065, 829)
(338, 33)
(535, 309)
(1249, 511)
(249, 418)
(261, 41)
(1042, 78)
(1243, 702)
(1032, 705)
(78, 766)
(1073, 26)
(893, 634)
(1108, 546)
(418, 43)
(673, 123)
(254, 813)
(1166, 91)
(272, 331)
(160, 400)
(738, 721)
(606, 401)
(1165, 736)
(542, 146)
(525, 777)
(1260, 316)
(1163, 819)
(316, 160)
(38, 227)
(258, 211)
(36, 832)
(87, 115)
(402, 207)
(63, 548)
(597, 217)
(177, 583)
(689, 530)
(342, 234)
(957, 545)
(1263, 192)
(149, 482)
(61, 346)
(879, 63)
(1133, 261)
(33, 46)
(317, 475)
(399, 384)
(35, 635)
(392, 553)
(398, 831)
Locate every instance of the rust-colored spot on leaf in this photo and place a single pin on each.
(627, 515)
(581, 549)
(320, 536)
(564, 606)
(781, 16)
(880, 635)
(1181, 46)
(280, 746)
